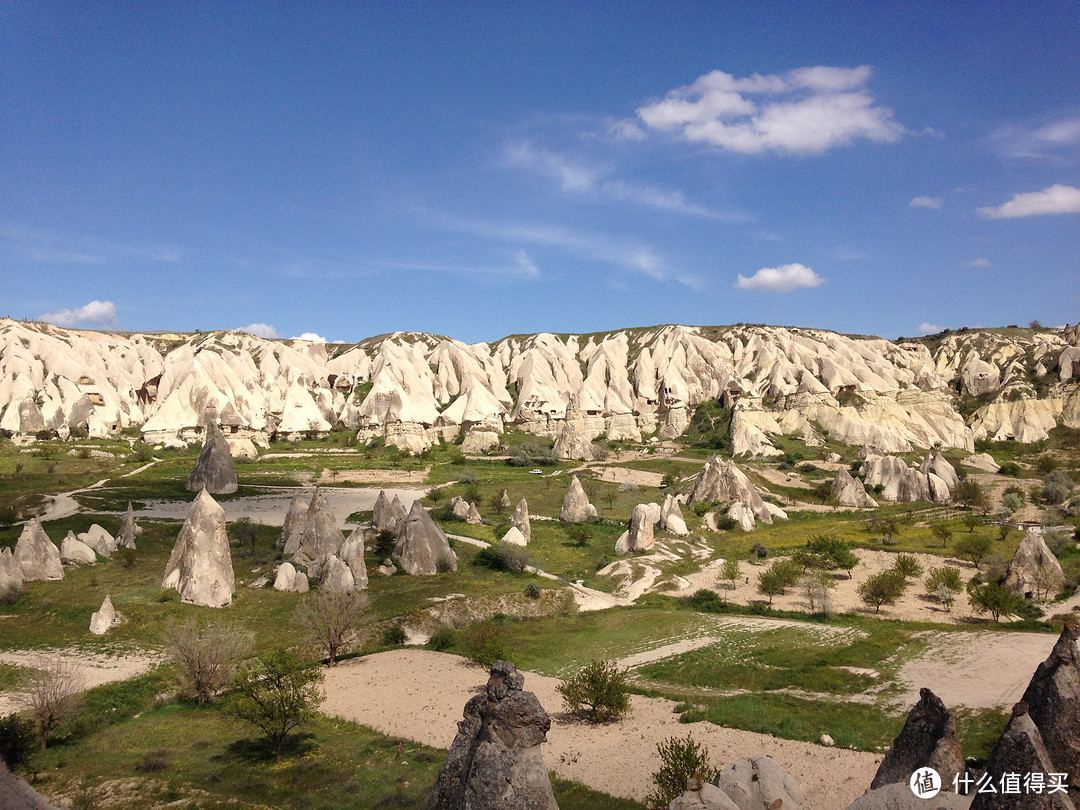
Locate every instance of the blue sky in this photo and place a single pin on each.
(484, 169)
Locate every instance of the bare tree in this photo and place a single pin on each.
(52, 695)
(207, 656)
(332, 620)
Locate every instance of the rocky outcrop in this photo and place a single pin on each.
(1034, 571)
(129, 530)
(849, 491)
(290, 580)
(702, 795)
(639, 534)
(520, 519)
(720, 481)
(928, 740)
(292, 529)
(671, 518)
(575, 506)
(760, 782)
(38, 556)
(103, 618)
(473, 515)
(979, 377)
(200, 566)
(504, 500)
(16, 793)
(939, 465)
(352, 554)
(514, 537)
(460, 507)
(11, 577)
(900, 797)
(982, 461)
(103, 543)
(421, 546)
(214, 468)
(495, 762)
(1053, 701)
(387, 513)
(322, 536)
(73, 550)
(335, 576)
(902, 483)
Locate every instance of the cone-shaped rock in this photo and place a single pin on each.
(11, 576)
(700, 795)
(99, 540)
(1020, 750)
(74, 550)
(575, 506)
(849, 491)
(514, 537)
(422, 544)
(939, 465)
(379, 513)
(38, 556)
(292, 530)
(639, 534)
(214, 468)
(760, 782)
(721, 480)
(495, 761)
(352, 554)
(1034, 572)
(928, 740)
(460, 507)
(671, 517)
(129, 530)
(1053, 700)
(335, 576)
(504, 500)
(321, 536)
(396, 513)
(290, 580)
(103, 618)
(200, 566)
(520, 519)
(473, 515)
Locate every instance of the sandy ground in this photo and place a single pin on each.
(94, 669)
(782, 478)
(626, 475)
(420, 695)
(374, 476)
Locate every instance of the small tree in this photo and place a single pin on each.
(971, 521)
(18, 740)
(331, 620)
(206, 656)
(52, 696)
(889, 528)
(245, 533)
(597, 692)
(278, 695)
(884, 588)
(730, 571)
(993, 598)
(1003, 532)
(973, 548)
(944, 583)
(578, 534)
(907, 566)
(943, 533)
(970, 493)
(771, 584)
(817, 586)
(679, 760)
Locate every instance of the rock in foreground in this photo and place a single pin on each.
(200, 566)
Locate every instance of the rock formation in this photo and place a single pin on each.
(702, 795)
(495, 762)
(504, 500)
(1053, 701)
(460, 507)
(849, 491)
(720, 481)
(520, 519)
(335, 576)
(760, 782)
(352, 554)
(982, 461)
(292, 529)
(200, 566)
(37, 555)
(900, 797)
(386, 514)
(902, 483)
(939, 465)
(928, 740)
(639, 534)
(671, 518)
(103, 618)
(75, 551)
(11, 577)
(103, 543)
(473, 515)
(1034, 571)
(576, 507)
(16, 793)
(979, 377)
(421, 546)
(214, 468)
(290, 580)
(514, 537)
(129, 530)
(322, 536)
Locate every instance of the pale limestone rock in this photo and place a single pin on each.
(572, 443)
(702, 795)
(37, 555)
(671, 517)
(742, 514)
(504, 500)
(290, 580)
(103, 543)
(336, 576)
(75, 551)
(11, 577)
(982, 461)
(979, 377)
(938, 465)
(352, 554)
(760, 782)
(292, 530)
(421, 546)
(576, 507)
(478, 440)
(241, 447)
(103, 618)
(322, 536)
(721, 481)
(1034, 571)
(849, 491)
(639, 535)
(1069, 364)
(514, 537)
(214, 468)
(200, 566)
(460, 507)
(129, 530)
(473, 515)
(520, 519)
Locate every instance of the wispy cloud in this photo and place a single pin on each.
(263, 330)
(974, 263)
(45, 246)
(804, 111)
(520, 265)
(102, 313)
(785, 278)
(926, 328)
(1056, 199)
(1050, 140)
(926, 202)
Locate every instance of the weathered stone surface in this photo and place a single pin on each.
(76, 551)
(16, 793)
(504, 500)
(1053, 700)
(939, 465)
(671, 518)
(514, 537)
(103, 543)
(460, 507)
(1034, 571)
(900, 797)
(639, 534)
(335, 576)
(849, 491)
(760, 782)
(352, 554)
(702, 795)
(979, 377)
(902, 483)
(38, 556)
(495, 762)
(928, 740)
(290, 580)
(1020, 749)
(200, 566)
(129, 530)
(292, 530)
(721, 481)
(982, 461)
(520, 519)
(473, 515)
(421, 545)
(103, 618)
(576, 507)
(242, 447)
(479, 440)
(322, 536)
(214, 468)
(11, 576)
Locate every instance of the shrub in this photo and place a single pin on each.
(579, 534)
(725, 522)
(1011, 469)
(17, 740)
(1013, 501)
(597, 692)
(206, 657)
(943, 533)
(817, 586)
(667, 481)
(503, 557)
(331, 620)
(1057, 486)
(394, 636)
(679, 760)
(155, 761)
(485, 645)
(907, 566)
(125, 556)
(884, 588)
(973, 548)
(993, 598)
(759, 551)
(442, 639)
(730, 571)
(532, 590)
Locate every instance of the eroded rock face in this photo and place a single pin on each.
(1034, 571)
(639, 535)
(421, 546)
(200, 566)
(939, 465)
(214, 468)
(576, 507)
(129, 530)
(292, 530)
(900, 797)
(702, 795)
(387, 513)
(352, 554)
(473, 515)
(322, 536)
(11, 577)
(290, 580)
(1053, 701)
(99, 540)
(37, 555)
(495, 761)
(460, 507)
(982, 461)
(520, 519)
(905, 484)
(103, 618)
(721, 480)
(979, 377)
(671, 518)
(514, 537)
(75, 551)
(760, 782)
(928, 740)
(849, 491)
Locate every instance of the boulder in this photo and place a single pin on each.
(214, 468)
(129, 530)
(760, 782)
(11, 577)
(1053, 701)
(421, 545)
(242, 447)
(16, 793)
(38, 556)
(478, 440)
(322, 537)
(460, 507)
(939, 465)
(495, 762)
(352, 554)
(514, 537)
(1020, 750)
(900, 797)
(742, 514)
(335, 576)
(473, 515)
(387, 513)
(290, 580)
(292, 530)
(982, 461)
(849, 491)
(671, 518)
(702, 795)
(639, 534)
(928, 740)
(200, 566)
(103, 543)
(1034, 571)
(76, 551)
(979, 377)
(103, 618)
(520, 519)
(576, 507)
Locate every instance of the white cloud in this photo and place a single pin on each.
(1050, 140)
(263, 330)
(97, 312)
(926, 328)
(311, 337)
(1056, 199)
(978, 263)
(805, 111)
(926, 202)
(784, 278)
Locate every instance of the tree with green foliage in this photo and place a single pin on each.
(817, 587)
(771, 584)
(278, 694)
(579, 534)
(679, 760)
(973, 547)
(942, 533)
(730, 571)
(889, 528)
(667, 481)
(884, 588)
(943, 584)
(830, 553)
(245, 533)
(597, 692)
(993, 598)
(18, 740)
(907, 566)
(970, 493)
(971, 521)
(1057, 486)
